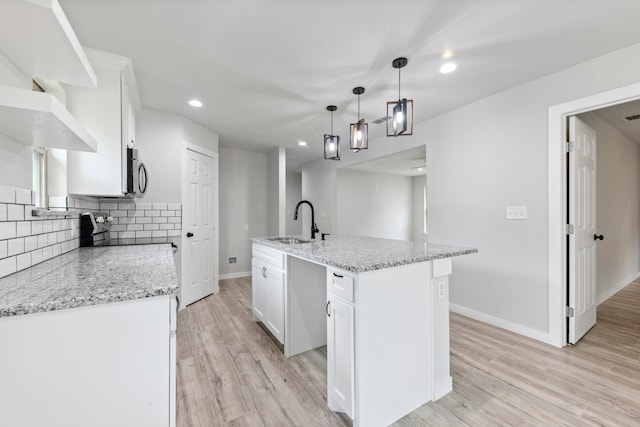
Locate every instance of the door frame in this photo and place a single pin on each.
(188, 146)
(557, 197)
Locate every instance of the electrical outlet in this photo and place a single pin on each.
(232, 260)
(441, 290)
(516, 212)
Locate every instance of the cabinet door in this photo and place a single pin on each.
(259, 289)
(340, 355)
(275, 302)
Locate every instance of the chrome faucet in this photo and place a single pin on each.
(314, 227)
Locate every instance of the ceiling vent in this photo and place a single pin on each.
(629, 118)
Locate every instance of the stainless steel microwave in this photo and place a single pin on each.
(136, 174)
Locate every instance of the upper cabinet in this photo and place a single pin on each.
(108, 112)
(37, 41)
(36, 36)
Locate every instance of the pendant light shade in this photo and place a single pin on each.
(331, 141)
(400, 112)
(360, 130)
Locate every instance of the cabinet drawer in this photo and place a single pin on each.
(340, 284)
(272, 256)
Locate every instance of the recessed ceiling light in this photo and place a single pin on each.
(195, 103)
(448, 67)
(302, 143)
(447, 54)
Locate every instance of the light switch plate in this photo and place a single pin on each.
(516, 212)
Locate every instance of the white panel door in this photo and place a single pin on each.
(582, 215)
(340, 356)
(199, 210)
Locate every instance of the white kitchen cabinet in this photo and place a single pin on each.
(103, 365)
(36, 36)
(268, 289)
(340, 342)
(108, 112)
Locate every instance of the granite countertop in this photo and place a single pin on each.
(90, 276)
(360, 254)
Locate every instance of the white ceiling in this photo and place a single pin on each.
(266, 70)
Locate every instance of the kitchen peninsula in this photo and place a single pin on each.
(381, 307)
(88, 338)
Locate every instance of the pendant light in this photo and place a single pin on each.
(400, 112)
(359, 130)
(331, 141)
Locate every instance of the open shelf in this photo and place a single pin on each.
(40, 120)
(37, 38)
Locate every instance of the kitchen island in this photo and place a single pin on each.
(380, 306)
(88, 338)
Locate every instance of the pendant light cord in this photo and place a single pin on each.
(332, 123)
(399, 84)
(358, 107)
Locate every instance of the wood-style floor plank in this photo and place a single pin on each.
(232, 373)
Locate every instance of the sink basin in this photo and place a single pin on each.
(288, 240)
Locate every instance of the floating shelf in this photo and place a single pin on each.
(37, 38)
(40, 120)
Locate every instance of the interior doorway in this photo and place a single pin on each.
(558, 191)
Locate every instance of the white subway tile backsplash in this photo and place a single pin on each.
(135, 227)
(166, 226)
(136, 213)
(43, 240)
(7, 194)
(143, 220)
(118, 227)
(36, 256)
(3, 211)
(23, 197)
(7, 230)
(159, 220)
(36, 227)
(47, 226)
(23, 261)
(174, 219)
(3, 249)
(168, 213)
(30, 243)
(15, 213)
(108, 206)
(140, 234)
(151, 226)
(47, 253)
(23, 228)
(159, 206)
(143, 206)
(7, 266)
(174, 206)
(159, 233)
(118, 214)
(126, 206)
(15, 246)
(151, 213)
(127, 235)
(174, 233)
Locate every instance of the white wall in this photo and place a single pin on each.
(276, 182)
(294, 195)
(418, 234)
(243, 200)
(15, 163)
(481, 158)
(617, 216)
(375, 205)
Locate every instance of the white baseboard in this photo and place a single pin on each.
(234, 275)
(600, 298)
(503, 324)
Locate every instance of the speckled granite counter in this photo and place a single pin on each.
(90, 276)
(360, 254)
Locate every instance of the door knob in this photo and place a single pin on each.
(189, 234)
(598, 237)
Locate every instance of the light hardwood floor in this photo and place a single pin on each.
(231, 373)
